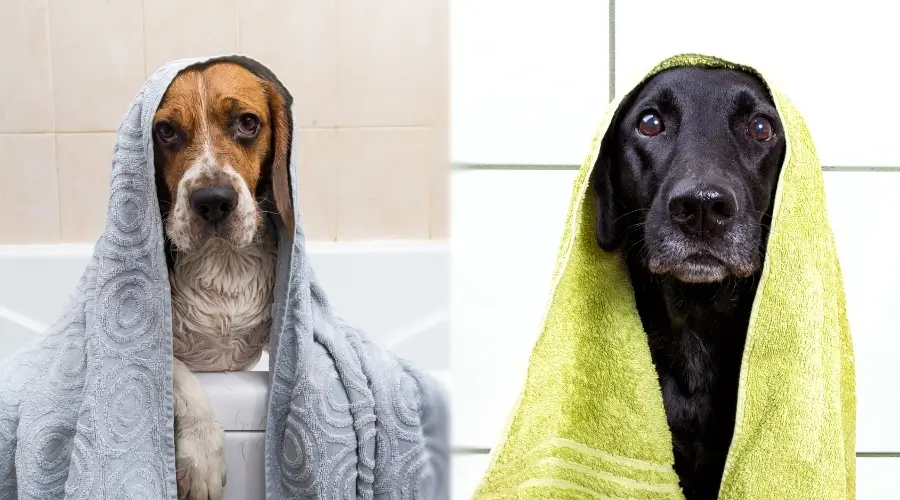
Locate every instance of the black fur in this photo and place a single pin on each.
(696, 325)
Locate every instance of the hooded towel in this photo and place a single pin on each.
(590, 421)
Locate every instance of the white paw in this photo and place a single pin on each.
(200, 462)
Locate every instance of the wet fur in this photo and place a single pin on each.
(696, 332)
(221, 304)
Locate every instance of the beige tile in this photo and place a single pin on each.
(97, 61)
(29, 203)
(318, 181)
(440, 185)
(297, 39)
(384, 183)
(26, 96)
(387, 61)
(175, 29)
(84, 162)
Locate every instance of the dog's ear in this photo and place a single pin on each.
(281, 147)
(607, 205)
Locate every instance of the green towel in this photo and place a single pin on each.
(590, 421)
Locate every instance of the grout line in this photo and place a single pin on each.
(612, 50)
(469, 450)
(336, 179)
(50, 65)
(335, 113)
(302, 129)
(61, 132)
(463, 450)
(846, 168)
(509, 166)
(58, 187)
(526, 168)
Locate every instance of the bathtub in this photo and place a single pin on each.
(399, 291)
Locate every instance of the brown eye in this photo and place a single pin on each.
(650, 124)
(247, 125)
(165, 132)
(761, 128)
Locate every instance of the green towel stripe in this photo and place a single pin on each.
(555, 484)
(624, 471)
(565, 460)
(610, 478)
(608, 457)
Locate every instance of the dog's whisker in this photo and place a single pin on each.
(617, 219)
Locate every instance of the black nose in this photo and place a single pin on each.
(213, 203)
(702, 208)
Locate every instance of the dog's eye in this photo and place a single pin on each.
(165, 132)
(247, 125)
(761, 128)
(650, 124)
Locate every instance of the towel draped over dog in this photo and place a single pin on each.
(590, 421)
(86, 411)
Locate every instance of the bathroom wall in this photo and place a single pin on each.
(514, 166)
(370, 80)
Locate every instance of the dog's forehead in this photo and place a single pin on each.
(217, 84)
(700, 82)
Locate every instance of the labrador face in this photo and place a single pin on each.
(688, 174)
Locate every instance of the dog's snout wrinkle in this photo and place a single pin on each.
(702, 208)
(214, 204)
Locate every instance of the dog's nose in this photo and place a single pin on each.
(702, 208)
(214, 203)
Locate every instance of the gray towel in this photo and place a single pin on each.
(86, 411)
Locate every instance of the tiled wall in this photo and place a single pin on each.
(370, 79)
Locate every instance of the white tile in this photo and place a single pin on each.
(861, 204)
(467, 470)
(831, 60)
(529, 80)
(506, 227)
(877, 478)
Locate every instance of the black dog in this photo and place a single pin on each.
(685, 186)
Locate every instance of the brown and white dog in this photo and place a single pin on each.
(221, 138)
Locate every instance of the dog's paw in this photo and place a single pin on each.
(200, 462)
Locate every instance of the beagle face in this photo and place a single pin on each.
(220, 138)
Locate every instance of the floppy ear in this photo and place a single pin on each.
(281, 146)
(607, 208)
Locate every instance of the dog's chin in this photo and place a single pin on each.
(700, 269)
(193, 235)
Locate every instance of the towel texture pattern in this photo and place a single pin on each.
(86, 410)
